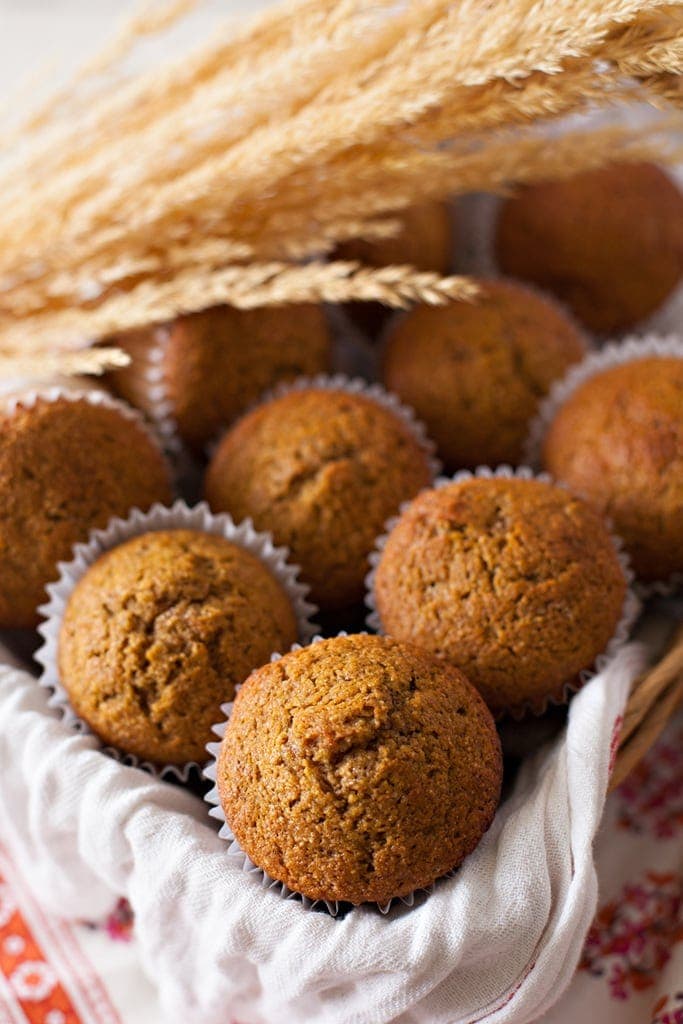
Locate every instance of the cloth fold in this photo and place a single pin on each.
(499, 941)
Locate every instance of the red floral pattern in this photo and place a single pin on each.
(32, 982)
(668, 1010)
(118, 924)
(632, 937)
(651, 798)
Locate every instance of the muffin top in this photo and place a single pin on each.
(496, 358)
(608, 242)
(515, 581)
(217, 362)
(425, 241)
(66, 467)
(322, 470)
(157, 634)
(618, 441)
(359, 769)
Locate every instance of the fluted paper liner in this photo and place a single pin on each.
(630, 609)
(178, 516)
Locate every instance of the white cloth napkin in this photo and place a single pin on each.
(499, 941)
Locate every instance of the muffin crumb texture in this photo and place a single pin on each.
(66, 467)
(359, 769)
(322, 471)
(157, 634)
(515, 581)
(608, 242)
(218, 362)
(618, 441)
(474, 372)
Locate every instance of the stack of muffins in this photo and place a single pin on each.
(363, 767)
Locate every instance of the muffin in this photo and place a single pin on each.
(513, 580)
(358, 769)
(214, 364)
(425, 242)
(322, 470)
(157, 634)
(608, 242)
(66, 467)
(618, 441)
(496, 358)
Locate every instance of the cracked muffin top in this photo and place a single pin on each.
(322, 471)
(618, 441)
(66, 467)
(157, 634)
(515, 581)
(359, 769)
(608, 242)
(216, 363)
(497, 357)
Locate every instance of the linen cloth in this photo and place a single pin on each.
(631, 968)
(499, 941)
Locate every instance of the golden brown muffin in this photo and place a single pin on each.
(66, 467)
(218, 362)
(474, 372)
(425, 242)
(322, 471)
(359, 769)
(157, 634)
(607, 242)
(515, 581)
(618, 441)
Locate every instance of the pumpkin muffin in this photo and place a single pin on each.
(425, 242)
(608, 242)
(66, 467)
(157, 634)
(321, 470)
(515, 581)
(496, 358)
(359, 769)
(216, 363)
(618, 441)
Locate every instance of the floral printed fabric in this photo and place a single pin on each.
(632, 965)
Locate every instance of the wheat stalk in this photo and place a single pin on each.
(267, 146)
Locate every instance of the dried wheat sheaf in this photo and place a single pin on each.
(228, 173)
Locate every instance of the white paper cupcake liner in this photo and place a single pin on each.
(236, 852)
(630, 609)
(178, 516)
(93, 395)
(616, 353)
(357, 386)
(148, 353)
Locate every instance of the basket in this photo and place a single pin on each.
(656, 695)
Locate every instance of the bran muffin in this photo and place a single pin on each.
(216, 363)
(67, 466)
(425, 241)
(515, 581)
(322, 470)
(358, 769)
(157, 634)
(496, 358)
(607, 242)
(618, 441)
